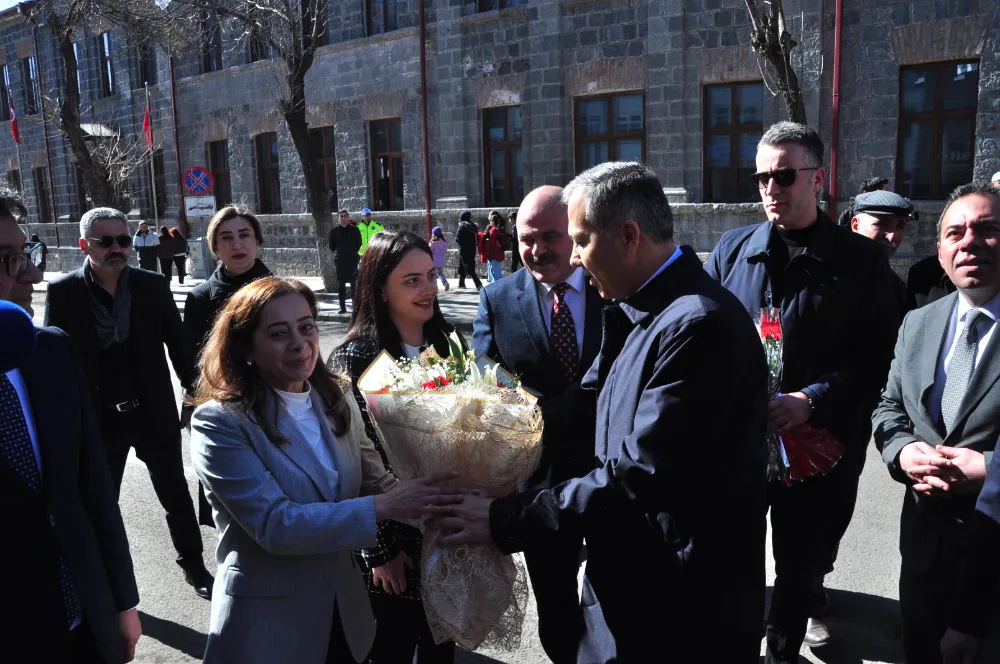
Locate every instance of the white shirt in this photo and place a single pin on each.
(148, 240)
(956, 329)
(299, 406)
(412, 352)
(576, 300)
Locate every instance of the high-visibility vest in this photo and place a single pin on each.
(367, 232)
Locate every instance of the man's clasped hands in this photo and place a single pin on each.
(942, 470)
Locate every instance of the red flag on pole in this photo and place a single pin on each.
(148, 126)
(13, 122)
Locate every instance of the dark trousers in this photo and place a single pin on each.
(346, 274)
(167, 267)
(181, 272)
(804, 518)
(553, 572)
(35, 644)
(467, 263)
(401, 629)
(842, 511)
(161, 452)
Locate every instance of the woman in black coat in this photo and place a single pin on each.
(234, 235)
(396, 281)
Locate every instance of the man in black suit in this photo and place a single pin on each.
(66, 573)
(939, 417)
(673, 511)
(543, 323)
(119, 319)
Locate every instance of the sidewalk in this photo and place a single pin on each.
(459, 305)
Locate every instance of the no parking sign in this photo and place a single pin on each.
(198, 181)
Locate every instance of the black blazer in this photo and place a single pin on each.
(154, 322)
(679, 491)
(510, 329)
(77, 516)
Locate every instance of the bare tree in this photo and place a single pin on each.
(771, 39)
(105, 161)
(288, 32)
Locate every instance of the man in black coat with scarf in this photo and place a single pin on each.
(119, 320)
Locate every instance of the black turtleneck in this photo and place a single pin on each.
(793, 243)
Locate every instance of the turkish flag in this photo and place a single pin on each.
(148, 127)
(13, 122)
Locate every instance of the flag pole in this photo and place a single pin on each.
(152, 171)
(15, 133)
(27, 218)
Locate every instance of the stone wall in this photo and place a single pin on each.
(291, 246)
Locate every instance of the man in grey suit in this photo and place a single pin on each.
(939, 417)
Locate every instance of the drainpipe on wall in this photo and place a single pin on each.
(835, 139)
(423, 114)
(185, 229)
(45, 132)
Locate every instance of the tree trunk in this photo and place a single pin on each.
(294, 111)
(771, 39)
(95, 175)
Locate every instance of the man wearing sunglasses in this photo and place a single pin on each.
(839, 319)
(120, 319)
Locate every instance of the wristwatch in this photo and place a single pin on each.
(812, 404)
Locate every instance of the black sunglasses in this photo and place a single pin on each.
(105, 241)
(783, 177)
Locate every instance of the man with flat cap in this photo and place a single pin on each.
(881, 216)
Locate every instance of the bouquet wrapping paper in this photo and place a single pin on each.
(488, 431)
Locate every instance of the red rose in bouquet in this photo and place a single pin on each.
(806, 449)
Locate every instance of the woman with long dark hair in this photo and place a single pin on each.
(295, 484)
(396, 310)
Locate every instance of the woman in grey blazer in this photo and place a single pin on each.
(294, 483)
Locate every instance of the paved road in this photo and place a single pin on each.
(864, 610)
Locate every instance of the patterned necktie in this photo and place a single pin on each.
(562, 336)
(963, 362)
(15, 446)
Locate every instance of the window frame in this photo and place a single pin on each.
(270, 171)
(221, 182)
(5, 94)
(385, 17)
(14, 180)
(390, 154)
(145, 63)
(307, 10)
(106, 64)
(321, 157)
(733, 130)
(211, 42)
(936, 118)
(259, 46)
(42, 199)
(81, 189)
(489, 145)
(159, 176)
(497, 5)
(609, 137)
(29, 74)
(77, 45)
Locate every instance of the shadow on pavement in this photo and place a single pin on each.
(179, 637)
(864, 628)
(466, 657)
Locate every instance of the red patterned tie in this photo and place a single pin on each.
(562, 338)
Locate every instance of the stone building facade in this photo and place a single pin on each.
(523, 93)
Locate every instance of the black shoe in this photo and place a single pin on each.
(343, 311)
(461, 285)
(197, 577)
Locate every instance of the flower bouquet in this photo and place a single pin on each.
(469, 416)
(806, 449)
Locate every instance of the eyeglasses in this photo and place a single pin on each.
(783, 177)
(17, 264)
(105, 241)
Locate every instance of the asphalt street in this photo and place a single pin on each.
(863, 588)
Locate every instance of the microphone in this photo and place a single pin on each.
(17, 336)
